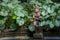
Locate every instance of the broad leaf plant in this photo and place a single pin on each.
(15, 14)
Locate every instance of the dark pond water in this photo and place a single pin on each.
(52, 38)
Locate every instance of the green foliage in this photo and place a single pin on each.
(50, 14)
(31, 27)
(20, 21)
(16, 12)
(13, 27)
(12, 10)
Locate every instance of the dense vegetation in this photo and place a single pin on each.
(15, 14)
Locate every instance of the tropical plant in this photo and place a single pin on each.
(50, 13)
(15, 14)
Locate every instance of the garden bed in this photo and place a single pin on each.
(22, 18)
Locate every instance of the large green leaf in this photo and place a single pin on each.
(44, 13)
(20, 13)
(51, 25)
(2, 21)
(31, 27)
(48, 1)
(49, 10)
(3, 4)
(3, 13)
(6, 1)
(57, 23)
(13, 27)
(53, 14)
(10, 5)
(47, 16)
(2, 27)
(20, 21)
(58, 17)
(59, 11)
(44, 7)
(42, 23)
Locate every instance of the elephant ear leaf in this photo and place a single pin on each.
(31, 27)
(20, 21)
(3, 13)
(13, 27)
(2, 27)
